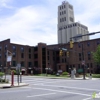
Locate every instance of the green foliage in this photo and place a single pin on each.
(96, 75)
(96, 55)
(4, 81)
(65, 73)
(14, 72)
(1, 74)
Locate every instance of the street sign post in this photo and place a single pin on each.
(18, 67)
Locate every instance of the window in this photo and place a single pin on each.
(29, 64)
(48, 52)
(59, 67)
(60, 8)
(53, 58)
(78, 66)
(62, 60)
(29, 50)
(98, 42)
(35, 48)
(71, 19)
(87, 65)
(64, 6)
(5, 47)
(22, 49)
(80, 56)
(22, 55)
(70, 7)
(22, 64)
(91, 65)
(35, 56)
(0, 55)
(14, 48)
(75, 24)
(65, 59)
(64, 12)
(13, 63)
(60, 13)
(48, 57)
(5, 54)
(29, 56)
(88, 44)
(14, 54)
(60, 20)
(0, 48)
(79, 45)
(65, 18)
(89, 55)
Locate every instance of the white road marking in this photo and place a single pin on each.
(77, 88)
(41, 95)
(87, 98)
(63, 91)
(46, 81)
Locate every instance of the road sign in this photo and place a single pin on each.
(18, 66)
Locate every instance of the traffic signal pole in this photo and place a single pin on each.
(71, 46)
(83, 64)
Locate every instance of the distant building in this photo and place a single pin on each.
(67, 27)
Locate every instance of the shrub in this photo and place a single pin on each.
(4, 81)
(1, 74)
(96, 75)
(65, 73)
(14, 72)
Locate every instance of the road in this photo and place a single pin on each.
(52, 89)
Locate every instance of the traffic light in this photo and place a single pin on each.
(61, 53)
(71, 44)
(67, 53)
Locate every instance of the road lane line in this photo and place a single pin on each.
(77, 88)
(41, 95)
(63, 91)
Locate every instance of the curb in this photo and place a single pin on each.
(4, 87)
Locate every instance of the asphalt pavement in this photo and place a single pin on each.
(40, 88)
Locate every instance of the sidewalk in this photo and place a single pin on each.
(8, 85)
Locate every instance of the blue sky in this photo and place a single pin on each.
(29, 22)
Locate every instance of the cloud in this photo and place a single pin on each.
(29, 25)
(35, 23)
(88, 13)
(5, 3)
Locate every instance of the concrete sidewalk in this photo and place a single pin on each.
(8, 85)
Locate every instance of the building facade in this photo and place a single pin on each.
(67, 27)
(38, 59)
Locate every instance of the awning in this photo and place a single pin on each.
(22, 69)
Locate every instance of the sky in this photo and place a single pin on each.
(30, 22)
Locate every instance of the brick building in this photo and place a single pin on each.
(36, 59)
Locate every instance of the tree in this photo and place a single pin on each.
(96, 55)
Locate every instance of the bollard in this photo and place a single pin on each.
(12, 78)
